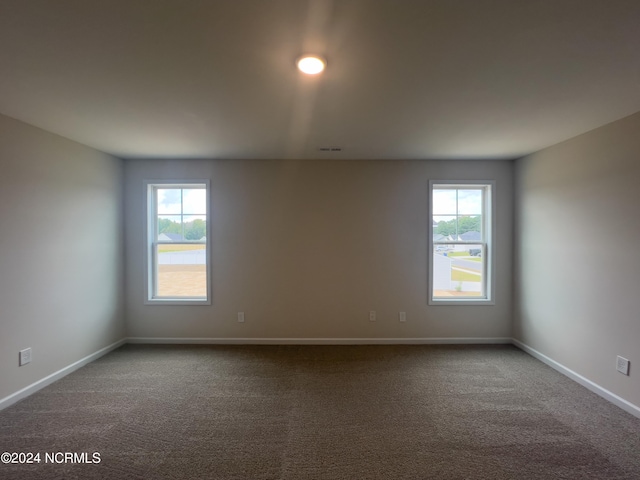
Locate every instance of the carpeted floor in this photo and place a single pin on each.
(320, 412)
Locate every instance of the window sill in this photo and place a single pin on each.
(461, 302)
(172, 301)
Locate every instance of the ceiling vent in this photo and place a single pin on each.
(330, 149)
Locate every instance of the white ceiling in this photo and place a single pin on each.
(406, 79)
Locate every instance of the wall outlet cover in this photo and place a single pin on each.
(622, 365)
(24, 357)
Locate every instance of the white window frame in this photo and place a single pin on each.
(488, 240)
(151, 219)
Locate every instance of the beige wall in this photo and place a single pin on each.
(60, 252)
(578, 254)
(307, 248)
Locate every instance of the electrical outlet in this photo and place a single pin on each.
(622, 365)
(241, 317)
(372, 316)
(24, 357)
(402, 316)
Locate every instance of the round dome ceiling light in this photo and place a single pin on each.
(311, 64)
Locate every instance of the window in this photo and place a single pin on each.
(460, 252)
(178, 243)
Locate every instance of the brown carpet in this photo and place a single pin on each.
(321, 412)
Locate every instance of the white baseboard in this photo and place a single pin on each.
(319, 341)
(585, 382)
(48, 380)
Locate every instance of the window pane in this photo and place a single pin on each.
(169, 228)
(169, 200)
(470, 228)
(194, 201)
(444, 225)
(195, 227)
(469, 202)
(458, 271)
(181, 270)
(444, 202)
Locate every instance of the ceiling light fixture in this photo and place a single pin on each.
(311, 64)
